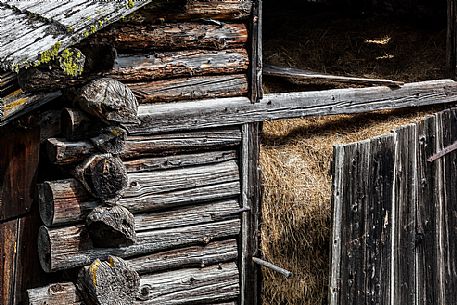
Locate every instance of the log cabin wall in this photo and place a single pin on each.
(182, 199)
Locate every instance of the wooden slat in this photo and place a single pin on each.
(8, 239)
(55, 294)
(232, 111)
(451, 39)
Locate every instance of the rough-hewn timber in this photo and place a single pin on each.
(172, 36)
(232, 111)
(199, 87)
(147, 191)
(144, 67)
(64, 152)
(68, 247)
(54, 294)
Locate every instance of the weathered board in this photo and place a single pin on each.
(394, 217)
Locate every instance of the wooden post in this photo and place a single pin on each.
(451, 47)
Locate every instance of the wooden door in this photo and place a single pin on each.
(395, 217)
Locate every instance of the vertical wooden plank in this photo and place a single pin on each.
(451, 43)
(378, 224)
(426, 208)
(8, 237)
(256, 52)
(449, 209)
(250, 276)
(19, 151)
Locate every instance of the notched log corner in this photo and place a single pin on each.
(110, 140)
(111, 227)
(109, 100)
(109, 282)
(104, 176)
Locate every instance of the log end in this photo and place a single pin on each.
(46, 203)
(44, 248)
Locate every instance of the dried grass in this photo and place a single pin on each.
(296, 154)
(295, 159)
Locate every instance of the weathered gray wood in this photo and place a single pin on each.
(176, 36)
(232, 111)
(66, 201)
(144, 67)
(50, 124)
(256, 91)
(64, 152)
(196, 256)
(78, 125)
(199, 87)
(104, 177)
(210, 284)
(286, 273)
(179, 10)
(310, 76)
(109, 282)
(111, 227)
(54, 294)
(109, 100)
(69, 247)
(451, 39)
(177, 161)
(110, 140)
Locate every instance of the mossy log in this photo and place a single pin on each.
(104, 177)
(111, 227)
(63, 152)
(179, 10)
(144, 67)
(109, 100)
(180, 36)
(67, 201)
(192, 88)
(109, 282)
(68, 247)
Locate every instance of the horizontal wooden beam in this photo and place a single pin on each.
(234, 111)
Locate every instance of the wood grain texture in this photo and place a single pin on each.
(144, 67)
(63, 152)
(54, 294)
(176, 36)
(232, 111)
(8, 238)
(69, 247)
(192, 88)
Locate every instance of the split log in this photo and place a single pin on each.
(179, 10)
(64, 152)
(64, 206)
(110, 140)
(111, 227)
(192, 88)
(210, 284)
(50, 124)
(103, 176)
(197, 256)
(178, 36)
(54, 294)
(68, 247)
(109, 100)
(66, 201)
(77, 124)
(109, 283)
(143, 67)
(178, 161)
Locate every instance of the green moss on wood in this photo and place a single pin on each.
(130, 4)
(70, 62)
(48, 55)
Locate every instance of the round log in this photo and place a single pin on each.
(78, 125)
(104, 176)
(111, 227)
(108, 282)
(109, 100)
(110, 140)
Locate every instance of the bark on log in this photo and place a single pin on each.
(210, 284)
(63, 207)
(77, 124)
(69, 247)
(110, 140)
(104, 177)
(109, 100)
(111, 227)
(143, 67)
(66, 201)
(54, 294)
(180, 36)
(109, 282)
(197, 256)
(178, 161)
(179, 10)
(192, 88)
(64, 152)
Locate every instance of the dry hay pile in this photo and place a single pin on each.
(295, 159)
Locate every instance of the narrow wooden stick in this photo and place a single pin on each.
(287, 274)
